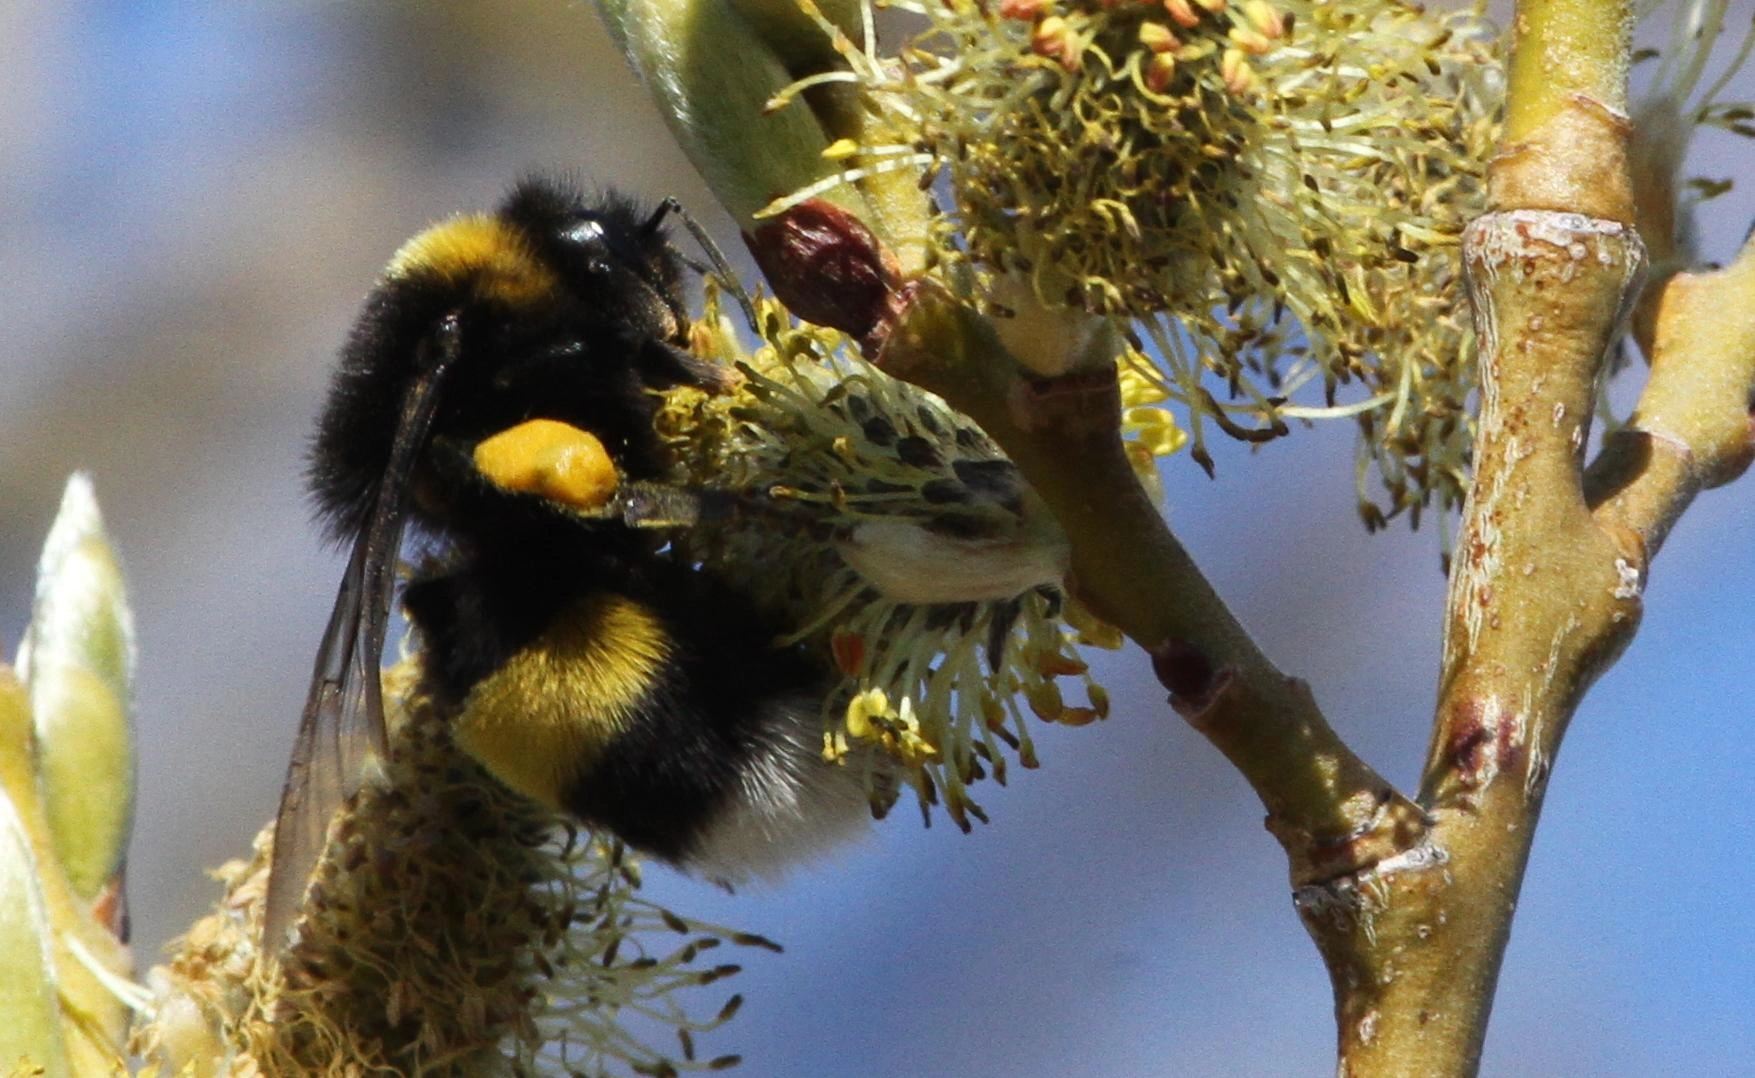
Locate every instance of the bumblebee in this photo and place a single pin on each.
(501, 379)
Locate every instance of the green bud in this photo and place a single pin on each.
(798, 40)
(713, 75)
(77, 660)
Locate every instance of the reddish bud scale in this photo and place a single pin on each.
(825, 266)
(1185, 670)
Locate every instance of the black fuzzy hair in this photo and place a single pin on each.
(546, 207)
(614, 320)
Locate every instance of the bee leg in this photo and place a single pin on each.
(666, 364)
(453, 458)
(721, 268)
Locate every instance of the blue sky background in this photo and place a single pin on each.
(193, 200)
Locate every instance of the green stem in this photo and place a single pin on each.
(1330, 810)
(1543, 595)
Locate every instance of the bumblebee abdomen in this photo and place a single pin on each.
(661, 709)
(721, 768)
(750, 800)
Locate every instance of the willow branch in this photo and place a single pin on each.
(1694, 427)
(1329, 809)
(1543, 595)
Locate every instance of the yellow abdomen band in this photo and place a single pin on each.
(547, 714)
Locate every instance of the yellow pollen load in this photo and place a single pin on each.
(552, 460)
(546, 715)
(481, 247)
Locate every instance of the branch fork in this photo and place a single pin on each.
(1410, 901)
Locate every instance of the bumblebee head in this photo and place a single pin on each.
(613, 263)
(563, 307)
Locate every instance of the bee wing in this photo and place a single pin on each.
(329, 757)
(342, 726)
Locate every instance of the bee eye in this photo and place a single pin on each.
(593, 242)
(587, 233)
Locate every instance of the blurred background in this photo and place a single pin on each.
(194, 199)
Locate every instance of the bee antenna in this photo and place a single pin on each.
(721, 268)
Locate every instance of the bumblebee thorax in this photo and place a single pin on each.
(483, 254)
